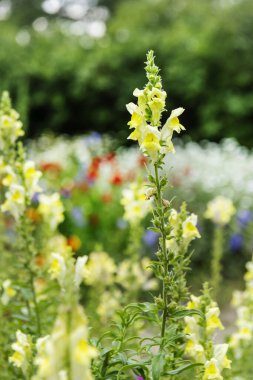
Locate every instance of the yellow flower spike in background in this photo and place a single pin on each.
(220, 210)
(135, 204)
(22, 352)
(51, 208)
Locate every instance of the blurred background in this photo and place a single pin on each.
(71, 65)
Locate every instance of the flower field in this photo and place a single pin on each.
(114, 260)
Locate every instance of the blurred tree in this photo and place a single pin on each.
(66, 77)
(24, 12)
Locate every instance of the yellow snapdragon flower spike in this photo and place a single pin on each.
(146, 116)
(220, 210)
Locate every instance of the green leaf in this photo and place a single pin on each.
(186, 313)
(130, 366)
(158, 363)
(183, 368)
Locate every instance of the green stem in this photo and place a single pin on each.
(36, 306)
(160, 212)
(25, 233)
(69, 323)
(216, 266)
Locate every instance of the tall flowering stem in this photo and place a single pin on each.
(161, 214)
(220, 210)
(176, 229)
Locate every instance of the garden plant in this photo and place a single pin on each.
(67, 316)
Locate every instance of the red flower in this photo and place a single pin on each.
(117, 179)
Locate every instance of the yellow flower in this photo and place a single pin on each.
(15, 201)
(137, 122)
(8, 292)
(150, 144)
(194, 349)
(171, 244)
(190, 230)
(142, 99)
(220, 210)
(173, 218)
(220, 354)
(136, 205)
(156, 102)
(192, 326)
(57, 268)
(212, 371)
(172, 123)
(32, 177)
(83, 352)
(194, 303)
(22, 351)
(51, 208)
(212, 320)
(10, 177)
(100, 269)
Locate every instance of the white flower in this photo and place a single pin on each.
(51, 208)
(80, 270)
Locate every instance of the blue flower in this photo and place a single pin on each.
(244, 217)
(236, 242)
(150, 238)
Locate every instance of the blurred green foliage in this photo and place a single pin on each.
(73, 84)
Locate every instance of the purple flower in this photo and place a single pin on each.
(236, 242)
(244, 217)
(77, 215)
(139, 378)
(150, 238)
(35, 198)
